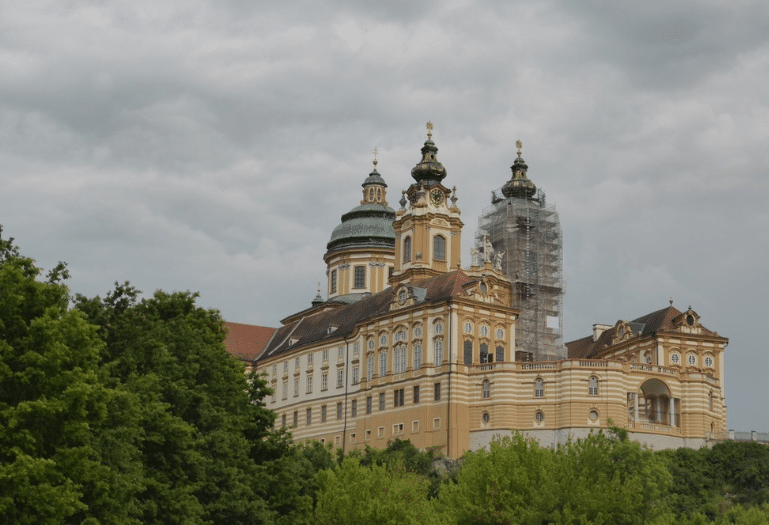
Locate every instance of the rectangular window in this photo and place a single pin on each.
(309, 385)
(354, 408)
(398, 397)
(325, 354)
(380, 432)
(400, 360)
(309, 359)
(352, 438)
(437, 394)
(355, 376)
(339, 410)
(438, 353)
(284, 420)
(340, 353)
(416, 394)
(285, 390)
(285, 367)
(296, 418)
(369, 404)
(296, 364)
(360, 277)
(381, 401)
(398, 429)
(296, 386)
(356, 349)
(368, 435)
(309, 416)
(439, 248)
(370, 372)
(323, 414)
(415, 427)
(324, 381)
(382, 364)
(339, 378)
(333, 281)
(417, 356)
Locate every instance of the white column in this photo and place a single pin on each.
(635, 400)
(672, 412)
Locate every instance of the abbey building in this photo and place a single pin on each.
(410, 344)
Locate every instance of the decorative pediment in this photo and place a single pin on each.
(622, 332)
(405, 295)
(688, 322)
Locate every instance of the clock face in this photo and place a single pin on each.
(437, 197)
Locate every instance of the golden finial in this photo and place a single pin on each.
(375, 154)
(429, 130)
(519, 145)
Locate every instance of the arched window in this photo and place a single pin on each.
(371, 194)
(710, 400)
(486, 389)
(370, 372)
(539, 388)
(500, 354)
(379, 194)
(691, 359)
(382, 364)
(407, 249)
(593, 389)
(439, 248)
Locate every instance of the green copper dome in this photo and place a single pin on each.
(369, 225)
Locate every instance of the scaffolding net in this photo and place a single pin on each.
(528, 234)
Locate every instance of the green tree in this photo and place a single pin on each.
(195, 409)
(599, 480)
(510, 483)
(377, 495)
(51, 397)
(607, 479)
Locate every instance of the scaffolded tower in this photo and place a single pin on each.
(525, 233)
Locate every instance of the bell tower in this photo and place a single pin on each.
(428, 230)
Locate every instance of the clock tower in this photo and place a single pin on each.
(428, 230)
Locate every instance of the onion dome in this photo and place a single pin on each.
(429, 170)
(519, 186)
(369, 225)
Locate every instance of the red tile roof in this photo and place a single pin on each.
(247, 341)
(649, 324)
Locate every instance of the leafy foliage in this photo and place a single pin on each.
(386, 494)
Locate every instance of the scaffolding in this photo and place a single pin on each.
(527, 232)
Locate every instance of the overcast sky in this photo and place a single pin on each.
(213, 146)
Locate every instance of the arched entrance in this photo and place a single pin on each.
(653, 404)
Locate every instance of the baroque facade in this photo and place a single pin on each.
(408, 344)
